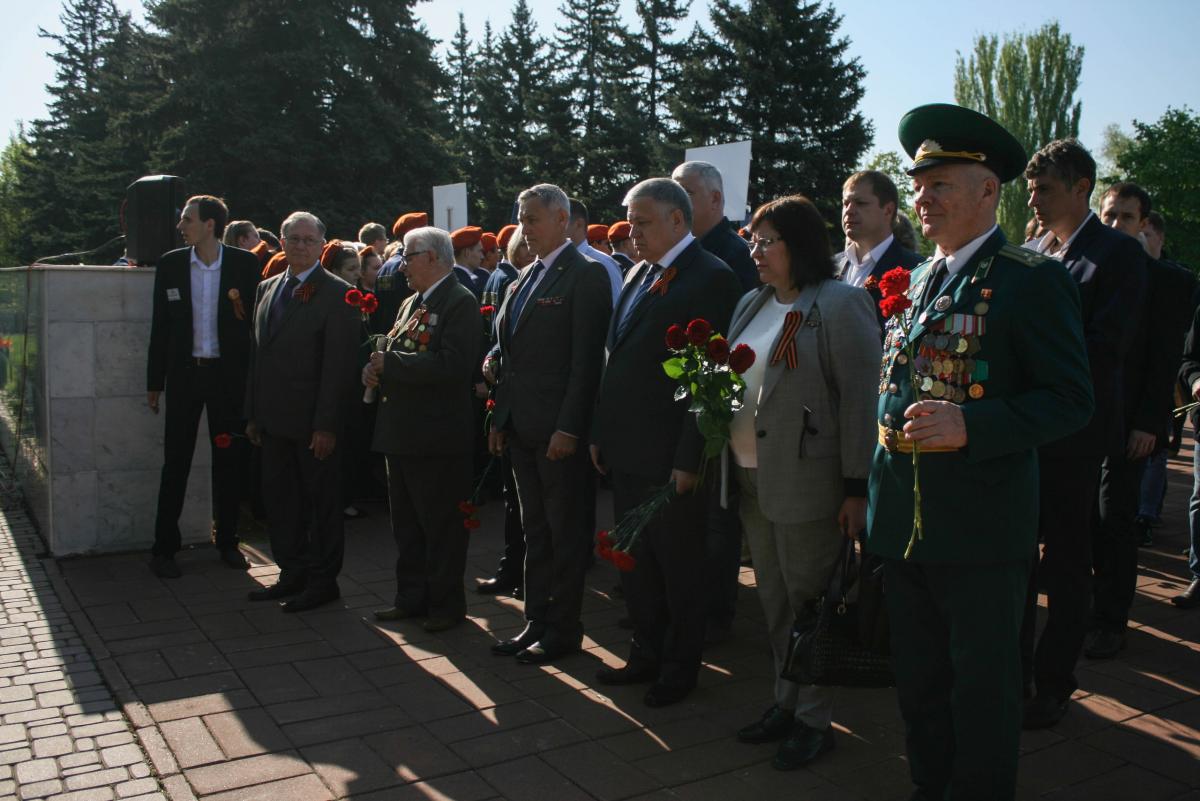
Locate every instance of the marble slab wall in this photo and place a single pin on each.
(91, 449)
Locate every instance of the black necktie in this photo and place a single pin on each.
(523, 295)
(279, 306)
(935, 282)
(638, 294)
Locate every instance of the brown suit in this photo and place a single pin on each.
(301, 370)
(426, 427)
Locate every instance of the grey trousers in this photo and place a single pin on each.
(792, 565)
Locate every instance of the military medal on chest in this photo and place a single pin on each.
(416, 334)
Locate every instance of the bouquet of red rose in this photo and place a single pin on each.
(895, 305)
(710, 374)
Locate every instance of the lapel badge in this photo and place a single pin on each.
(942, 303)
(986, 293)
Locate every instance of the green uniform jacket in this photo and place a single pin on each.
(1014, 321)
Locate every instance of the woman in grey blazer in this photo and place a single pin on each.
(800, 447)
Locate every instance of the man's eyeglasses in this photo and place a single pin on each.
(304, 241)
(405, 258)
(763, 243)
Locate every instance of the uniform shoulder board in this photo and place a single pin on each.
(1019, 254)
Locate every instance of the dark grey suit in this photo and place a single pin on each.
(301, 374)
(550, 364)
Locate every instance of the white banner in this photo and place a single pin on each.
(450, 206)
(733, 160)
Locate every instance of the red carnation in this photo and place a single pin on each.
(466, 507)
(741, 359)
(471, 523)
(486, 309)
(369, 303)
(223, 440)
(895, 282)
(892, 305)
(354, 297)
(605, 552)
(718, 350)
(490, 405)
(604, 538)
(623, 561)
(698, 331)
(676, 338)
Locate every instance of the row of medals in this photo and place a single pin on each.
(944, 365)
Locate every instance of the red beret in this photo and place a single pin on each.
(619, 231)
(488, 240)
(406, 222)
(275, 265)
(466, 237)
(597, 233)
(330, 252)
(505, 234)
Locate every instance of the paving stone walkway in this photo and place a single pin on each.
(192, 692)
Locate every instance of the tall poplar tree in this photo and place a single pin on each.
(1027, 83)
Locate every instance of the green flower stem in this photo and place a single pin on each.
(918, 529)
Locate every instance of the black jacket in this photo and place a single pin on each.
(170, 351)
(895, 256)
(639, 426)
(724, 243)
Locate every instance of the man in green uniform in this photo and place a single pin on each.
(997, 367)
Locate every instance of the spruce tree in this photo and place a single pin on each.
(775, 72)
(658, 56)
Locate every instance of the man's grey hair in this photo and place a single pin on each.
(301, 216)
(664, 191)
(550, 196)
(432, 239)
(709, 175)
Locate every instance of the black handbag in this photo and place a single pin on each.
(839, 643)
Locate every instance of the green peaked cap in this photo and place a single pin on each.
(942, 133)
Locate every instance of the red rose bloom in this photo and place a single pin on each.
(369, 303)
(895, 282)
(354, 297)
(604, 538)
(223, 440)
(891, 305)
(698, 331)
(741, 359)
(490, 405)
(623, 561)
(676, 338)
(605, 552)
(718, 350)
(466, 507)
(471, 523)
(486, 309)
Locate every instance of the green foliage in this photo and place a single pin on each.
(890, 164)
(1164, 159)
(1027, 83)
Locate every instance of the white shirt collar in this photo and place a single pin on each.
(1044, 244)
(216, 265)
(302, 277)
(549, 258)
(956, 260)
(875, 254)
(674, 252)
(425, 295)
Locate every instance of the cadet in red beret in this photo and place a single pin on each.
(623, 251)
(491, 257)
(597, 236)
(407, 222)
(468, 254)
(505, 234)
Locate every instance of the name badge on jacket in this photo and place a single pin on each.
(172, 294)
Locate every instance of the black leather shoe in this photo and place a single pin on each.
(540, 653)
(516, 645)
(1043, 712)
(1189, 598)
(1104, 644)
(165, 567)
(396, 613)
(498, 585)
(232, 557)
(665, 695)
(626, 675)
(775, 724)
(802, 746)
(313, 597)
(276, 591)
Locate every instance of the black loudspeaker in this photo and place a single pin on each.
(152, 208)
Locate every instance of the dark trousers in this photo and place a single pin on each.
(1067, 504)
(723, 560)
(303, 499)
(955, 651)
(201, 392)
(512, 563)
(431, 542)
(665, 591)
(1115, 542)
(557, 537)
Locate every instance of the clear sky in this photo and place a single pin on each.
(1140, 57)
